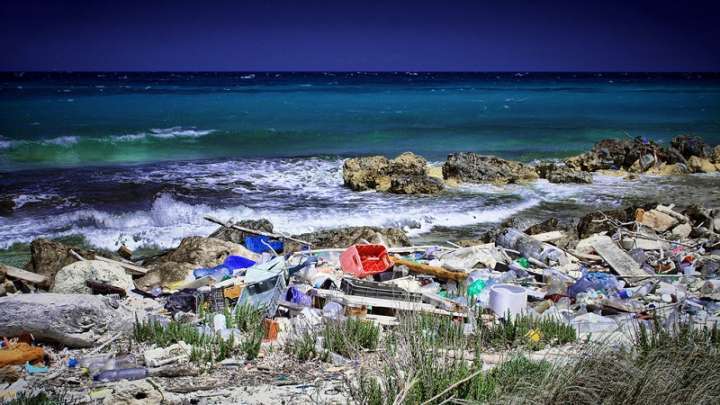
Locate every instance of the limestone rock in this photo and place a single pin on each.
(475, 168)
(415, 185)
(716, 155)
(165, 274)
(664, 169)
(691, 146)
(236, 236)
(344, 237)
(655, 219)
(682, 231)
(562, 174)
(203, 252)
(139, 392)
(619, 154)
(549, 225)
(71, 278)
(408, 164)
(48, 257)
(406, 174)
(701, 165)
(367, 173)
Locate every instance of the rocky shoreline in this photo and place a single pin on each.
(409, 173)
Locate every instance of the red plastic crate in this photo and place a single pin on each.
(365, 260)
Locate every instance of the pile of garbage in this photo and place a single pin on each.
(69, 308)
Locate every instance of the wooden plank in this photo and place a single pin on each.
(548, 236)
(131, 268)
(383, 303)
(20, 274)
(438, 272)
(619, 261)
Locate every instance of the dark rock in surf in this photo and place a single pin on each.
(691, 146)
(471, 167)
(7, 206)
(562, 174)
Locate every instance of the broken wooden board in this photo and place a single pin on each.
(438, 272)
(619, 261)
(548, 236)
(24, 275)
(130, 268)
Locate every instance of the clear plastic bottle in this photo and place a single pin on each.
(129, 374)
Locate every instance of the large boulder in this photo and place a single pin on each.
(71, 278)
(700, 165)
(619, 154)
(562, 174)
(237, 236)
(48, 257)
(204, 252)
(415, 185)
(344, 237)
(406, 174)
(475, 168)
(691, 146)
(367, 173)
(165, 274)
(715, 157)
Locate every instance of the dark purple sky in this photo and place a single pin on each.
(360, 35)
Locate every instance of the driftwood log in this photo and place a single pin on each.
(73, 320)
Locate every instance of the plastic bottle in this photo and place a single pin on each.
(122, 374)
(219, 322)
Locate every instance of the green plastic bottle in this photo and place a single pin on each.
(475, 288)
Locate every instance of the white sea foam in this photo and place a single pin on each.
(61, 141)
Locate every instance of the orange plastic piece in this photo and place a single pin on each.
(20, 353)
(272, 327)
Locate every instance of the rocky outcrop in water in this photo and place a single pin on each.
(344, 237)
(686, 154)
(471, 167)
(406, 174)
(562, 174)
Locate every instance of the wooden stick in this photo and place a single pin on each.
(77, 255)
(104, 288)
(127, 266)
(24, 275)
(254, 231)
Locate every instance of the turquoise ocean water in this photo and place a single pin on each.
(138, 157)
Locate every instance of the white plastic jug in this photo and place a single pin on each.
(507, 298)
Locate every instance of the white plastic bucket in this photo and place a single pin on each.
(507, 298)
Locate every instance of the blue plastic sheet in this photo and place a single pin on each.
(255, 244)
